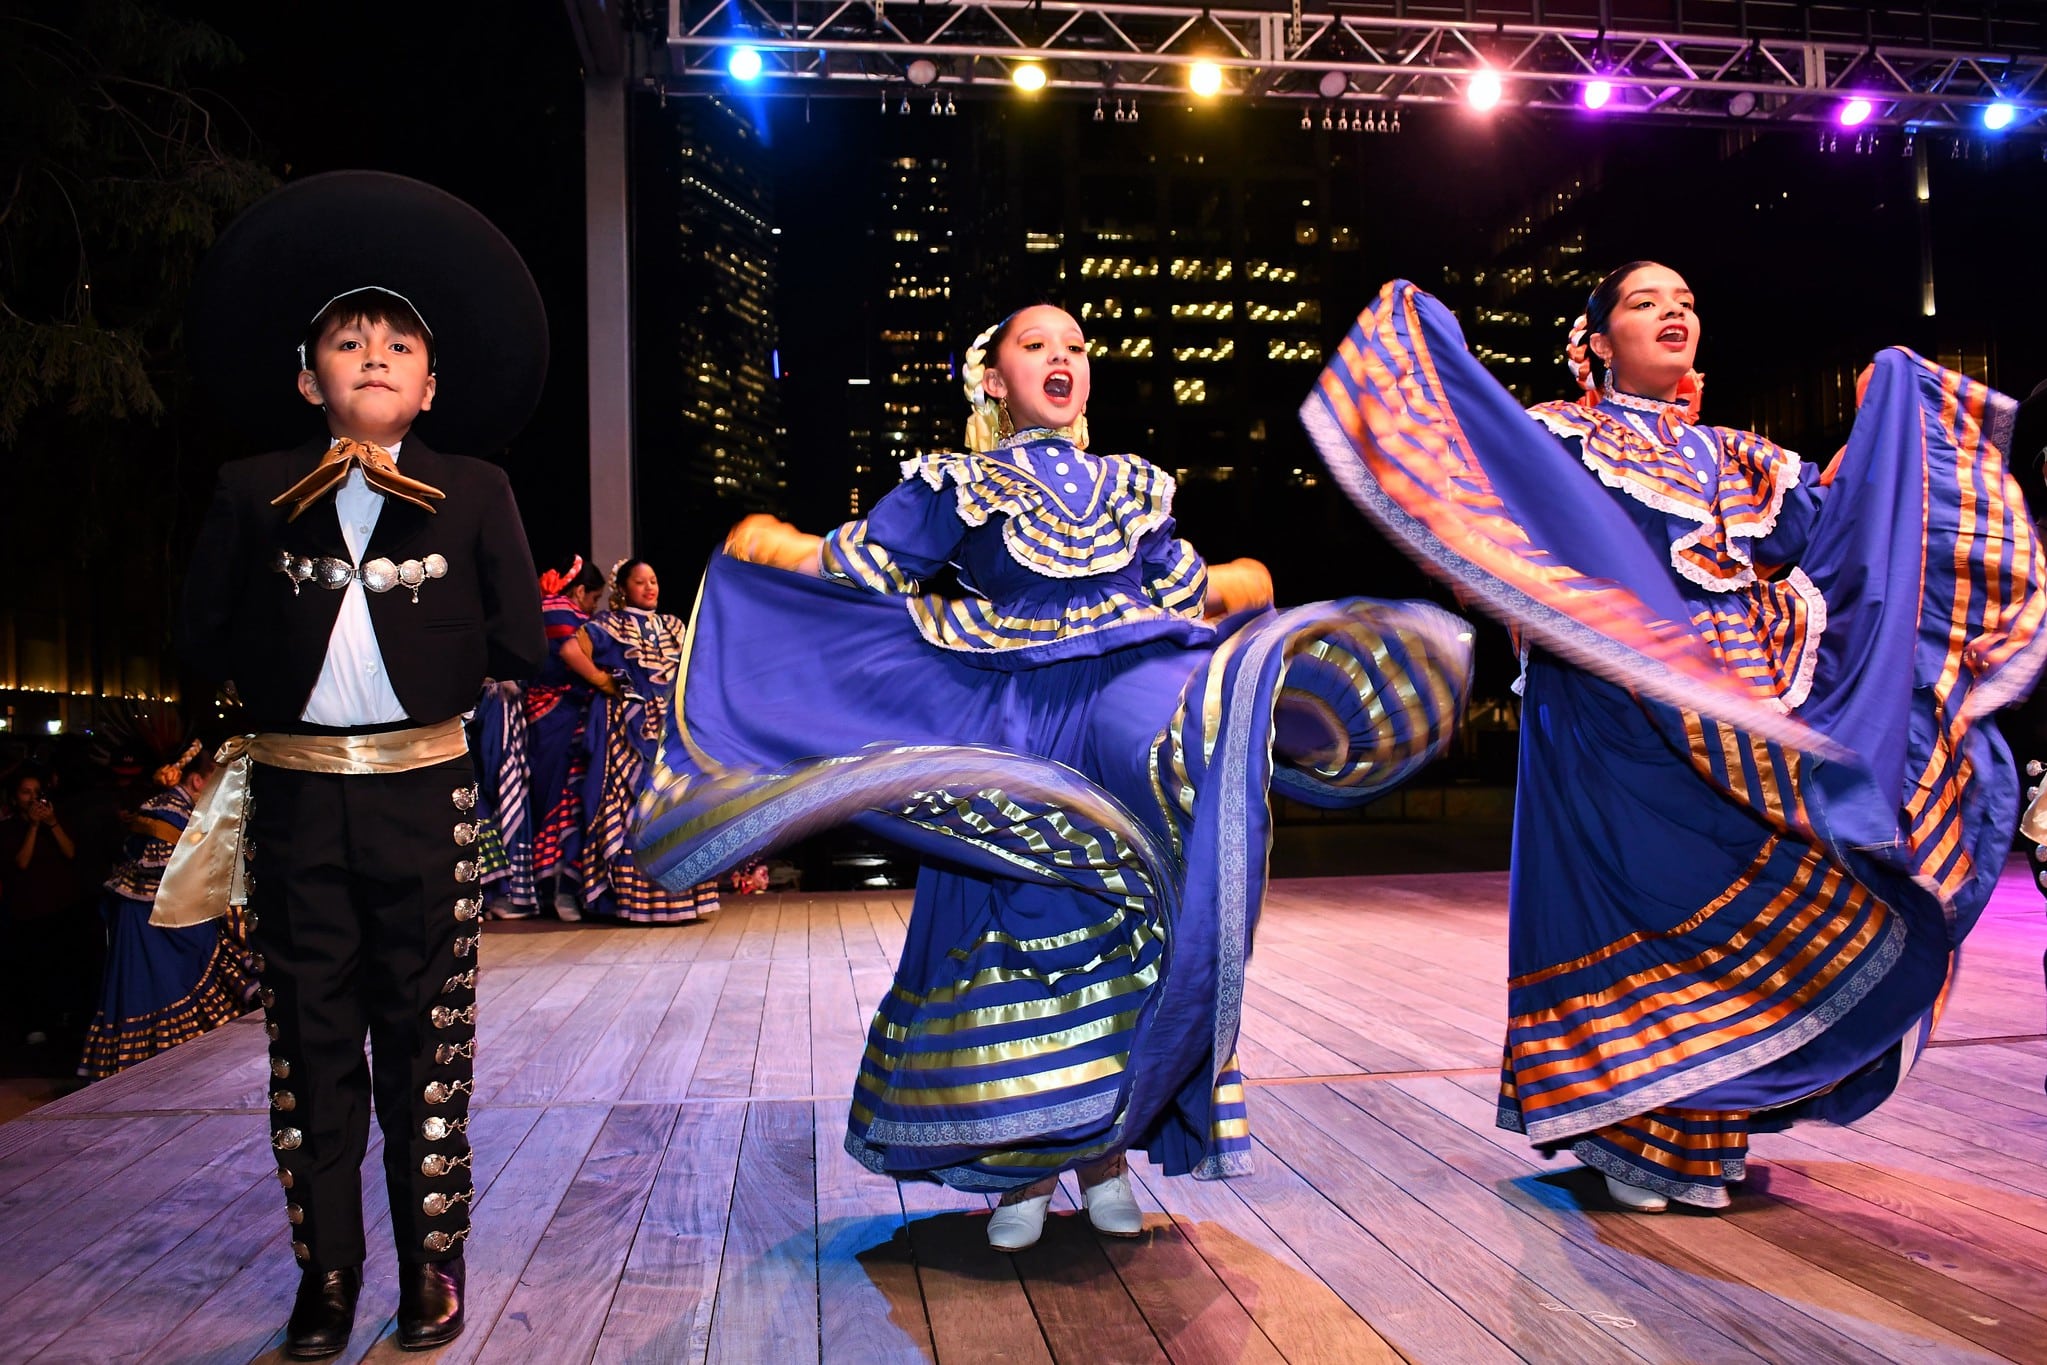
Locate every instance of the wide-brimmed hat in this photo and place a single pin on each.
(284, 259)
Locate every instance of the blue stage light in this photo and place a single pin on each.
(1997, 117)
(744, 63)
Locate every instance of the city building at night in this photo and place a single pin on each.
(722, 390)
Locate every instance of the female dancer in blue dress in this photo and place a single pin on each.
(631, 655)
(1761, 799)
(162, 986)
(1078, 749)
(535, 758)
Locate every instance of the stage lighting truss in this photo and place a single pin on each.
(1940, 66)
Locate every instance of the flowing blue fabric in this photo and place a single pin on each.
(1091, 809)
(1761, 802)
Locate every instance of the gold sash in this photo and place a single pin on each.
(2033, 824)
(206, 872)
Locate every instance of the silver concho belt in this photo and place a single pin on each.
(379, 575)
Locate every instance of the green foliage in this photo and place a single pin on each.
(122, 170)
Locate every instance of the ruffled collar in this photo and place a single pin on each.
(1671, 417)
(1037, 435)
(1129, 499)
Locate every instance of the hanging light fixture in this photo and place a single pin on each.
(1099, 115)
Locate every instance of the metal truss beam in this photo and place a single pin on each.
(1759, 61)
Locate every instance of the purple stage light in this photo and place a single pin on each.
(1597, 94)
(1855, 112)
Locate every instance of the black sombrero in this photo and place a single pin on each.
(279, 263)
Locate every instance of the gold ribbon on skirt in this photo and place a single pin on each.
(379, 471)
(206, 873)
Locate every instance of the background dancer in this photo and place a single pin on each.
(163, 986)
(1761, 800)
(535, 756)
(1079, 753)
(631, 653)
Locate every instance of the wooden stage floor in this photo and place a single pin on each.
(661, 1179)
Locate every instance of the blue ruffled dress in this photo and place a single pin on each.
(162, 986)
(1762, 800)
(1082, 762)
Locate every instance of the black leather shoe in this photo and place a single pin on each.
(322, 1313)
(429, 1304)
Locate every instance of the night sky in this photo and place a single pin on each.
(1793, 251)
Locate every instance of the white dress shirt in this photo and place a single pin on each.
(354, 688)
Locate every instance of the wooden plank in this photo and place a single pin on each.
(1299, 1314)
(725, 1066)
(728, 927)
(838, 1033)
(662, 1307)
(46, 1296)
(1192, 1314)
(671, 1058)
(544, 1071)
(97, 1191)
(822, 923)
(781, 1064)
(1588, 1291)
(241, 1244)
(558, 1309)
(1871, 1168)
(501, 1056)
(514, 1215)
(156, 1083)
(25, 1210)
(792, 934)
(763, 919)
(856, 928)
(610, 1064)
(767, 1305)
(257, 1299)
(870, 1307)
(1481, 1286)
(1082, 1306)
(1772, 1300)
(890, 920)
(973, 1300)
(1401, 1306)
(1939, 1277)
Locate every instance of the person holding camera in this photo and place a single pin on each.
(39, 875)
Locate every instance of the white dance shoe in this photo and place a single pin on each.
(1635, 1199)
(1112, 1208)
(1012, 1227)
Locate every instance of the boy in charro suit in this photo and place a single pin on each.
(356, 590)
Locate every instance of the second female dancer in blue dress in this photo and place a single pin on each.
(632, 654)
(1762, 799)
(1081, 749)
(163, 986)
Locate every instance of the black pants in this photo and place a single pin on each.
(364, 922)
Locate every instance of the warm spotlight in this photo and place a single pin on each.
(1484, 90)
(1597, 94)
(744, 63)
(1205, 79)
(1855, 112)
(1029, 76)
